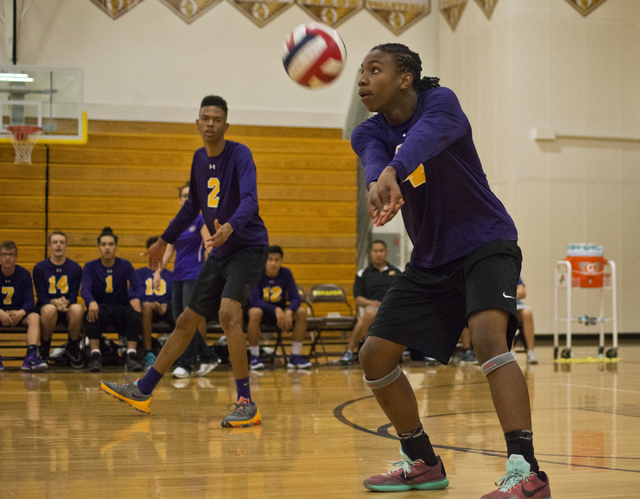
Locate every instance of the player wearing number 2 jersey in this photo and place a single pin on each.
(57, 281)
(222, 187)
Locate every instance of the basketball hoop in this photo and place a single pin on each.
(24, 138)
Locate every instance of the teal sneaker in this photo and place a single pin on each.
(149, 359)
(520, 482)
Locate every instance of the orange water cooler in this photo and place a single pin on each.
(585, 267)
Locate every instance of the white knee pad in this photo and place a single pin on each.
(385, 381)
(497, 362)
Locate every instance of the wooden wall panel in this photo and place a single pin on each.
(127, 175)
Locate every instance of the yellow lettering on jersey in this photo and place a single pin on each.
(213, 199)
(109, 281)
(272, 295)
(417, 177)
(62, 285)
(8, 292)
(150, 290)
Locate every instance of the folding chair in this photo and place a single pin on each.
(329, 293)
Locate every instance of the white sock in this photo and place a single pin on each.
(255, 351)
(296, 347)
(95, 350)
(131, 351)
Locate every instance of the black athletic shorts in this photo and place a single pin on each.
(232, 277)
(427, 309)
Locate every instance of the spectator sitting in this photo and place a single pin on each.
(268, 305)
(155, 303)
(369, 288)
(57, 281)
(104, 291)
(16, 304)
(525, 317)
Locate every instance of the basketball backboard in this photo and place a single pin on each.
(51, 98)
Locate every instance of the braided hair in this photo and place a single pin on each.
(408, 61)
(107, 232)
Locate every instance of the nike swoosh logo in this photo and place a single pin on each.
(507, 296)
(246, 384)
(409, 479)
(531, 493)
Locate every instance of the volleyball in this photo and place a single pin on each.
(314, 55)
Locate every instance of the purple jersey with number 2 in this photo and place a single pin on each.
(223, 188)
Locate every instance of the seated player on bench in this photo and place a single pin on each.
(17, 305)
(57, 281)
(155, 302)
(105, 292)
(268, 305)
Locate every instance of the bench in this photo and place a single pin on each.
(11, 337)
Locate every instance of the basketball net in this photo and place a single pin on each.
(24, 138)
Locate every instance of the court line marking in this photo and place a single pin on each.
(600, 388)
(383, 432)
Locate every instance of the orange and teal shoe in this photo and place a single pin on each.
(245, 413)
(129, 393)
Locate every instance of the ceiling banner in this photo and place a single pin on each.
(585, 7)
(190, 10)
(398, 16)
(261, 12)
(452, 11)
(115, 8)
(487, 6)
(331, 12)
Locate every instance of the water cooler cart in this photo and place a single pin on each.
(588, 272)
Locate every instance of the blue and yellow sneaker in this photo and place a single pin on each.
(129, 393)
(245, 413)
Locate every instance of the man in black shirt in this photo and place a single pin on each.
(369, 288)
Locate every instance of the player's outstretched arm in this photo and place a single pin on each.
(385, 198)
(155, 254)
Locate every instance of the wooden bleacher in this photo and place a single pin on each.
(127, 175)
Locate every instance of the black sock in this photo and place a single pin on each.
(521, 442)
(32, 349)
(45, 346)
(73, 346)
(416, 445)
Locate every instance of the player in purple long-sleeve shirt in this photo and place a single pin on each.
(223, 187)
(17, 304)
(275, 301)
(419, 156)
(57, 281)
(105, 291)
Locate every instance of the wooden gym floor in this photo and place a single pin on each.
(322, 433)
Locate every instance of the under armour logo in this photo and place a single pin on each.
(212, 167)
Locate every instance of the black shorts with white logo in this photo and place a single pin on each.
(427, 309)
(232, 277)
